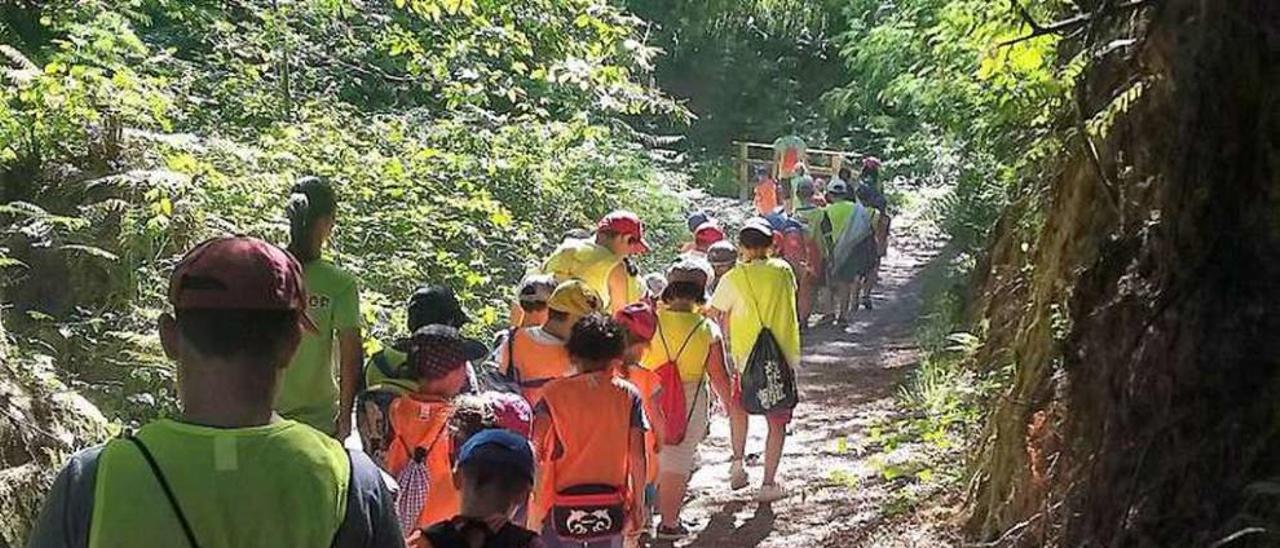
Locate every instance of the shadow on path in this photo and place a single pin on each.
(847, 385)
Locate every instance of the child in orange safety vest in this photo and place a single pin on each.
(589, 433)
(641, 324)
(421, 449)
(533, 356)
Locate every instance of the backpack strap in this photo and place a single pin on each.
(168, 492)
(512, 374)
(751, 292)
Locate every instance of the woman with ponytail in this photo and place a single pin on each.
(310, 394)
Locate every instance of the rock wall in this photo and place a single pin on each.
(41, 424)
(1136, 301)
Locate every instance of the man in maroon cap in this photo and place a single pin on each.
(227, 471)
(601, 262)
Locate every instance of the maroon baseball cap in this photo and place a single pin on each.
(239, 273)
(625, 223)
(708, 233)
(639, 319)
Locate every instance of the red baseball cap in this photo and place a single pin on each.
(708, 233)
(639, 320)
(242, 273)
(625, 223)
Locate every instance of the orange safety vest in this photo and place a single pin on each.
(535, 364)
(647, 382)
(425, 424)
(591, 417)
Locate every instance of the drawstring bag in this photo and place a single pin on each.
(768, 382)
(413, 491)
(671, 400)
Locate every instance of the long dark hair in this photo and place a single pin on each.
(310, 200)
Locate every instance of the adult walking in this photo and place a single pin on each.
(310, 393)
(226, 472)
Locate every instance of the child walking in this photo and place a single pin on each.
(589, 430)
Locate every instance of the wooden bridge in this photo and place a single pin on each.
(821, 163)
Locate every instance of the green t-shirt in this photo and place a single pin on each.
(756, 292)
(309, 391)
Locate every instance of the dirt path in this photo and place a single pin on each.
(848, 384)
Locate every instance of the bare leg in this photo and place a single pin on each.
(841, 296)
(849, 300)
(738, 433)
(773, 451)
(671, 490)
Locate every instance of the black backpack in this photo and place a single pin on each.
(768, 382)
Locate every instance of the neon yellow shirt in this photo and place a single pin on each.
(281, 484)
(755, 295)
(839, 212)
(309, 391)
(674, 328)
(586, 261)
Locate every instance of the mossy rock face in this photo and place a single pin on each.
(42, 423)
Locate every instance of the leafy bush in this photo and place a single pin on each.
(718, 177)
(457, 162)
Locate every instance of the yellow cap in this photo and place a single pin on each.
(574, 298)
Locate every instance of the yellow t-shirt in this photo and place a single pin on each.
(674, 328)
(586, 261)
(755, 295)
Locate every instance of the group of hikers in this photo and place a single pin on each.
(578, 426)
(834, 232)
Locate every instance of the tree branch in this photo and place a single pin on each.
(1068, 24)
(1026, 16)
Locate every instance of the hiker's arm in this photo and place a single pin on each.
(718, 374)
(541, 431)
(64, 517)
(346, 321)
(351, 354)
(639, 467)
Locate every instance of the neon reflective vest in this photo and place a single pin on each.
(536, 363)
(425, 424)
(281, 484)
(839, 212)
(586, 261)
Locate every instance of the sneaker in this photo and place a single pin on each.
(737, 475)
(771, 493)
(677, 532)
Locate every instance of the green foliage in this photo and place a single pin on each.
(719, 177)
(464, 138)
(749, 70)
(931, 85)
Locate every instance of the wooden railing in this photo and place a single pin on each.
(821, 163)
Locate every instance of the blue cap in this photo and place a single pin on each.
(498, 446)
(696, 219)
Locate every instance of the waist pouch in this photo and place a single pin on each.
(587, 513)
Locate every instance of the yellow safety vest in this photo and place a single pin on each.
(281, 484)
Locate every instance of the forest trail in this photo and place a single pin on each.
(848, 385)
